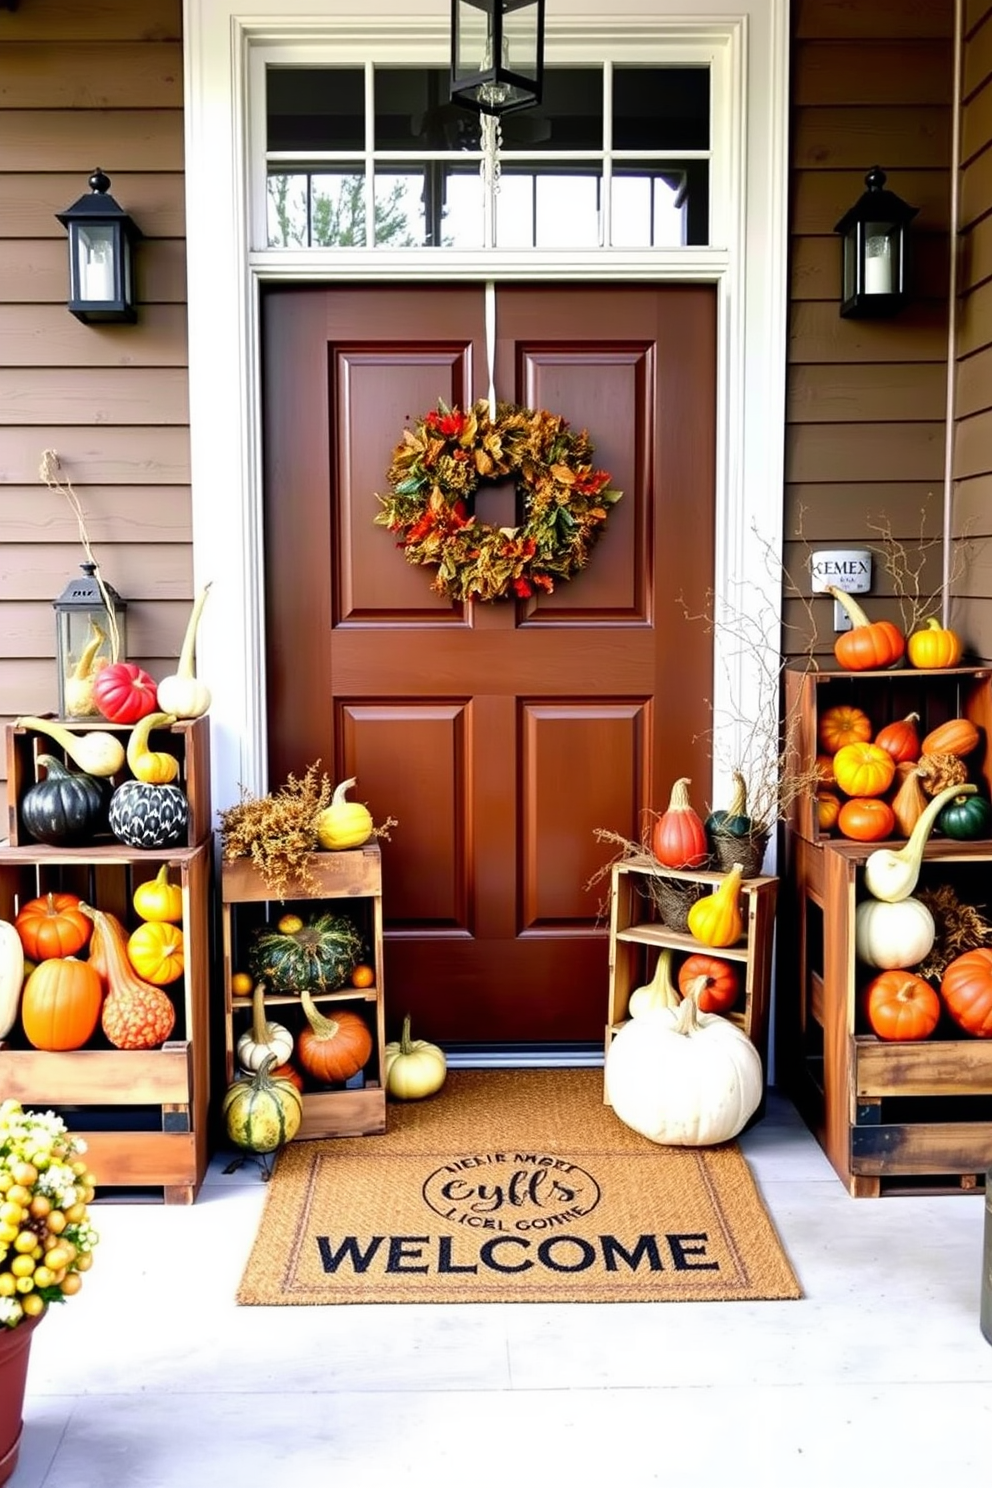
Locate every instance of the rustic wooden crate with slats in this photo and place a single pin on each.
(188, 740)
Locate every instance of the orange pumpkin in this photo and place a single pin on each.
(713, 984)
(958, 736)
(678, 837)
(827, 810)
(843, 724)
(866, 819)
(864, 769)
(871, 645)
(966, 988)
(901, 739)
(52, 925)
(332, 1049)
(60, 1004)
(901, 1006)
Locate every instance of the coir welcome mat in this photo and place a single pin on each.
(512, 1186)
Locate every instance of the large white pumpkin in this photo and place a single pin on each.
(683, 1078)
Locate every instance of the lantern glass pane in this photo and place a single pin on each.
(472, 52)
(520, 41)
(881, 259)
(96, 262)
(84, 647)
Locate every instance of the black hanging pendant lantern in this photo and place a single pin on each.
(874, 251)
(100, 237)
(497, 54)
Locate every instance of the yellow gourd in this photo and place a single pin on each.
(151, 766)
(659, 992)
(716, 919)
(343, 824)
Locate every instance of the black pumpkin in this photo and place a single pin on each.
(65, 807)
(149, 815)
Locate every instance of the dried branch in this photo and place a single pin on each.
(48, 471)
(907, 567)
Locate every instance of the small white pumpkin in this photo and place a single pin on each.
(413, 1067)
(683, 1078)
(659, 992)
(263, 1040)
(893, 935)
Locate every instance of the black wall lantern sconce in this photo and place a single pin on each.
(101, 235)
(874, 252)
(497, 54)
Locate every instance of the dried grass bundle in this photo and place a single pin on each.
(279, 831)
(960, 927)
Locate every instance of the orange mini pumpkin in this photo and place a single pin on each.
(843, 724)
(866, 819)
(901, 1006)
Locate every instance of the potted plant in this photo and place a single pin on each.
(46, 1243)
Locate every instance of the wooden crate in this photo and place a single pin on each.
(358, 1108)
(189, 741)
(936, 696)
(636, 933)
(891, 1117)
(143, 1113)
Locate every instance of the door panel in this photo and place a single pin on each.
(500, 735)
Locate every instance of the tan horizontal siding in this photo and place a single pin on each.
(866, 392)
(976, 188)
(29, 203)
(976, 583)
(901, 72)
(48, 336)
(844, 138)
(976, 255)
(95, 20)
(123, 139)
(974, 385)
(975, 12)
(29, 628)
(136, 570)
(976, 123)
(829, 512)
(975, 320)
(881, 20)
(89, 395)
(977, 64)
(865, 452)
(818, 333)
(973, 445)
(973, 506)
(114, 514)
(131, 456)
(35, 271)
(91, 75)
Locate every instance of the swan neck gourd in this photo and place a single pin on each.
(659, 992)
(891, 874)
(96, 753)
(183, 693)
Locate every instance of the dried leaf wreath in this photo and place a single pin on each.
(439, 466)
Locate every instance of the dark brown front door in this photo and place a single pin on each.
(500, 735)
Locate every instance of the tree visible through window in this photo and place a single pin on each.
(311, 211)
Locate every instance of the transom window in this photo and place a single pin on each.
(377, 156)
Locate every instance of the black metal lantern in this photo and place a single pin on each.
(497, 54)
(100, 237)
(90, 630)
(874, 251)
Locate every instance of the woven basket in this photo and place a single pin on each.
(674, 898)
(748, 851)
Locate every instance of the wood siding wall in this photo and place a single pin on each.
(972, 512)
(866, 403)
(85, 85)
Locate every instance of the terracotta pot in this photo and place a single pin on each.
(15, 1350)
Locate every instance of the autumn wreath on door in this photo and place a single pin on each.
(439, 466)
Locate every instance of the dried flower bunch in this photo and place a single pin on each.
(278, 831)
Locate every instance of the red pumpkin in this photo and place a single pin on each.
(714, 984)
(901, 739)
(678, 838)
(332, 1049)
(966, 988)
(902, 1006)
(52, 925)
(60, 1004)
(125, 692)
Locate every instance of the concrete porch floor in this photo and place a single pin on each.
(153, 1378)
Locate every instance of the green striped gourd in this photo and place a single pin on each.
(321, 956)
(262, 1113)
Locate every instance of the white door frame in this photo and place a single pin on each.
(748, 269)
